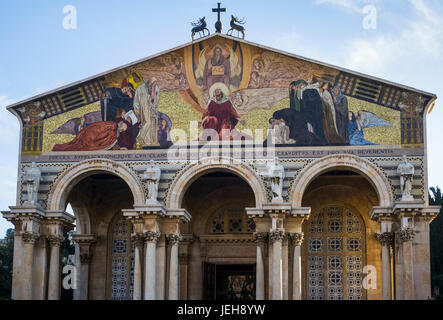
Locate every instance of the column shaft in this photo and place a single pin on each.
(285, 269)
(54, 287)
(260, 239)
(296, 240)
(296, 280)
(28, 263)
(173, 267)
(138, 267)
(161, 269)
(277, 280)
(150, 265)
(386, 242)
(386, 272)
(407, 236)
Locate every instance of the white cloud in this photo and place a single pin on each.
(419, 35)
(426, 29)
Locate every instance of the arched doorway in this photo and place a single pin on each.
(222, 258)
(97, 201)
(339, 237)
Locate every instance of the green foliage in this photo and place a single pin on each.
(436, 230)
(6, 258)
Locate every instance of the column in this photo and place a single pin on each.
(285, 268)
(17, 263)
(29, 239)
(81, 275)
(138, 266)
(150, 264)
(407, 236)
(386, 239)
(54, 286)
(40, 273)
(174, 241)
(422, 258)
(161, 268)
(296, 240)
(277, 236)
(260, 238)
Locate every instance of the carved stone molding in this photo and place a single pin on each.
(30, 237)
(226, 238)
(152, 236)
(296, 238)
(385, 239)
(260, 237)
(277, 235)
(174, 239)
(407, 234)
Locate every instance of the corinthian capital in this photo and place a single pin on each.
(407, 234)
(55, 241)
(260, 237)
(385, 238)
(139, 240)
(152, 236)
(277, 235)
(30, 237)
(174, 239)
(296, 238)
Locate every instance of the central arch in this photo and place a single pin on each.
(193, 172)
(342, 162)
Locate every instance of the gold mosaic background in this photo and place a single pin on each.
(379, 135)
(51, 124)
(182, 97)
(181, 114)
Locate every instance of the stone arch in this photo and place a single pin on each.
(191, 173)
(68, 179)
(345, 162)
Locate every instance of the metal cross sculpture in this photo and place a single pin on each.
(218, 24)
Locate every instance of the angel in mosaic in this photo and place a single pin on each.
(357, 124)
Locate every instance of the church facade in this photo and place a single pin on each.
(224, 170)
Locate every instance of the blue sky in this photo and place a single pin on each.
(38, 54)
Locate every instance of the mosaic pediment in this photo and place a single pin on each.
(220, 85)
